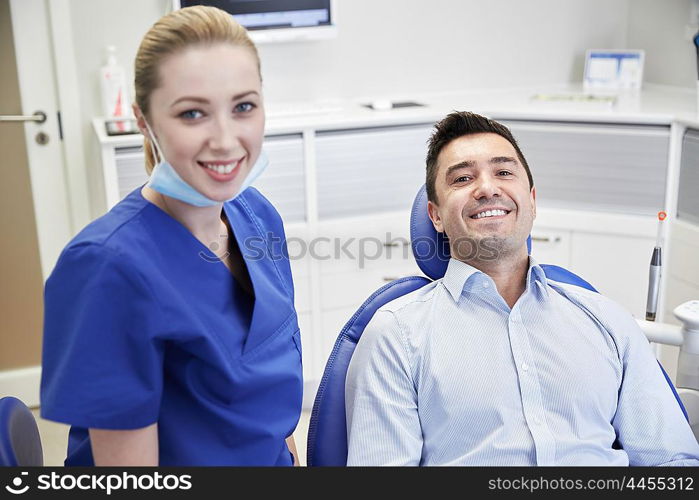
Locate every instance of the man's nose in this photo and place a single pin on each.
(486, 187)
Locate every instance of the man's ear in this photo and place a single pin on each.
(433, 212)
(533, 199)
(140, 120)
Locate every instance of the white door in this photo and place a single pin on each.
(35, 220)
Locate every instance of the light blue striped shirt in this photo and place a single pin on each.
(450, 375)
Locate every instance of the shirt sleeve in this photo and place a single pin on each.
(102, 365)
(649, 422)
(383, 425)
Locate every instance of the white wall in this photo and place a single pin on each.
(384, 48)
(387, 47)
(662, 29)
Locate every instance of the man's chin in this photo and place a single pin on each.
(483, 247)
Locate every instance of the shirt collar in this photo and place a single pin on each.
(456, 277)
(537, 277)
(458, 274)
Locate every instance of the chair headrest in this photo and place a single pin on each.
(430, 248)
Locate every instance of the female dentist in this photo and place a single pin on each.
(170, 335)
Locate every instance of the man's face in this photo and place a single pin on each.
(484, 203)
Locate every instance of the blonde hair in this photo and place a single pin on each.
(182, 28)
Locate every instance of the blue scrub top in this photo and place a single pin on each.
(144, 324)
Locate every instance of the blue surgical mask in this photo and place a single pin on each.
(165, 180)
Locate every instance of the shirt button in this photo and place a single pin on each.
(486, 285)
(525, 366)
(537, 421)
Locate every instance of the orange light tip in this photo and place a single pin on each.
(662, 215)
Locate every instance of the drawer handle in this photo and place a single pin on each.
(546, 239)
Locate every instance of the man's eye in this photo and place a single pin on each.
(245, 107)
(191, 114)
(463, 178)
(504, 173)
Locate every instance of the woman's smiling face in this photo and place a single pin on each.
(208, 118)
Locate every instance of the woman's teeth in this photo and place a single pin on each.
(222, 169)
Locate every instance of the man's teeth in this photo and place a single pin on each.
(489, 213)
(222, 169)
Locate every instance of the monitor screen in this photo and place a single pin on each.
(278, 20)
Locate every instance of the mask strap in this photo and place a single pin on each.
(154, 146)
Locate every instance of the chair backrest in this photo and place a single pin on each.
(327, 432)
(20, 442)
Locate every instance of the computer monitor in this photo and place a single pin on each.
(278, 20)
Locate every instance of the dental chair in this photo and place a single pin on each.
(20, 442)
(327, 432)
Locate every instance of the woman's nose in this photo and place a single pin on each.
(224, 135)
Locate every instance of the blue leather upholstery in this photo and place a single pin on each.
(327, 433)
(20, 443)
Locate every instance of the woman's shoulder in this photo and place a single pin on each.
(261, 209)
(116, 232)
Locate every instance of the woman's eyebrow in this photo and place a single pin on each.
(245, 94)
(204, 100)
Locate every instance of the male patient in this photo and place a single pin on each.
(494, 364)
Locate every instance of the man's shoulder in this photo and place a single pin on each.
(402, 321)
(412, 300)
(579, 293)
(610, 313)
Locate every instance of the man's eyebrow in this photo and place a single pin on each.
(503, 159)
(459, 166)
(470, 163)
(204, 100)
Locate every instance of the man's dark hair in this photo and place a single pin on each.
(459, 124)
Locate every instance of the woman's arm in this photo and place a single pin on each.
(292, 448)
(124, 448)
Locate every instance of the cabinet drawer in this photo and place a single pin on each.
(615, 168)
(370, 171)
(284, 181)
(131, 169)
(617, 266)
(688, 197)
(351, 289)
(551, 246)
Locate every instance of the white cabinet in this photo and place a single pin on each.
(369, 171)
(617, 266)
(284, 181)
(551, 246)
(597, 167)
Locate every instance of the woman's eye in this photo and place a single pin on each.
(191, 114)
(244, 107)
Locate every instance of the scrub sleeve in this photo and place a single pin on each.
(106, 316)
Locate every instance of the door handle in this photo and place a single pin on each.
(546, 239)
(38, 117)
